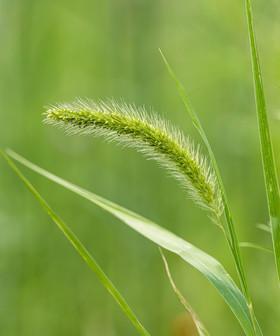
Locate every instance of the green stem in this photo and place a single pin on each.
(230, 232)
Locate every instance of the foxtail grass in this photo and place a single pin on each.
(157, 140)
(148, 134)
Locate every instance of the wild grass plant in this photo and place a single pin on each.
(198, 174)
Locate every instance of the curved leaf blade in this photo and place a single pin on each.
(204, 263)
(81, 250)
(230, 232)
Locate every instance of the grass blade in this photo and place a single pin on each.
(198, 324)
(229, 230)
(269, 168)
(81, 249)
(204, 263)
(230, 234)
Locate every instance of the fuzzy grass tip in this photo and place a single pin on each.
(148, 134)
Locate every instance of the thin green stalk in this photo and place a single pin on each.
(230, 234)
(255, 246)
(202, 331)
(265, 228)
(269, 167)
(81, 249)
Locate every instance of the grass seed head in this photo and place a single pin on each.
(148, 134)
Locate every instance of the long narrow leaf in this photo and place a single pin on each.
(269, 168)
(230, 231)
(82, 251)
(204, 263)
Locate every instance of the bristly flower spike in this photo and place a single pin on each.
(148, 134)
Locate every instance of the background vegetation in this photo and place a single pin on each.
(56, 51)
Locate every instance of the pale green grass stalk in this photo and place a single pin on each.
(255, 246)
(81, 250)
(269, 167)
(151, 136)
(264, 227)
(202, 331)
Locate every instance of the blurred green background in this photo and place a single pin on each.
(55, 51)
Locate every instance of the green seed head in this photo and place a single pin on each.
(150, 135)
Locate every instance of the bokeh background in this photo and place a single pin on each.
(55, 51)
